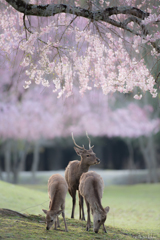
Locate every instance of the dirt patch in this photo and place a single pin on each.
(9, 212)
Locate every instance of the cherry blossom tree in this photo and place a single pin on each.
(99, 46)
(39, 116)
(93, 44)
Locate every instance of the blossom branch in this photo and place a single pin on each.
(27, 29)
(100, 15)
(53, 9)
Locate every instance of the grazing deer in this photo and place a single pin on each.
(57, 190)
(91, 188)
(74, 171)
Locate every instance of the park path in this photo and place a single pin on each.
(110, 177)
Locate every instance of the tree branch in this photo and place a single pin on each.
(53, 9)
(135, 14)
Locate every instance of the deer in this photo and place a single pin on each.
(74, 171)
(57, 190)
(91, 188)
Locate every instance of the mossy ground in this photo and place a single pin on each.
(33, 227)
(134, 214)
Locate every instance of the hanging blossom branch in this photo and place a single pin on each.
(93, 65)
(135, 14)
(27, 29)
(99, 15)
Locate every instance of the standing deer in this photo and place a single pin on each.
(74, 171)
(91, 188)
(57, 190)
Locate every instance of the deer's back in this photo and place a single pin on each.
(57, 185)
(73, 173)
(91, 186)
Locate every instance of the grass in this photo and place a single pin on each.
(134, 214)
(134, 207)
(14, 227)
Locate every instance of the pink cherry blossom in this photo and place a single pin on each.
(64, 51)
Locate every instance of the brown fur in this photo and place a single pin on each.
(91, 188)
(57, 190)
(73, 173)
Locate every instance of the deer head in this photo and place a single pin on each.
(51, 217)
(87, 156)
(99, 217)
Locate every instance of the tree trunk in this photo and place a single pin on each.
(153, 159)
(108, 161)
(57, 158)
(7, 154)
(35, 161)
(148, 151)
(1, 178)
(99, 153)
(22, 156)
(15, 166)
(131, 164)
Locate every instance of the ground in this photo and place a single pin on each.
(134, 214)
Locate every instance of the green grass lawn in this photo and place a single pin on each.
(134, 210)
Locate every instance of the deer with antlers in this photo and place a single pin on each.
(74, 171)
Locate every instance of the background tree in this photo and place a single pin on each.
(36, 118)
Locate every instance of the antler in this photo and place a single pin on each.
(89, 141)
(76, 143)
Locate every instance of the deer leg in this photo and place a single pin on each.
(58, 225)
(73, 203)
(83, 215)
(81, 208)
(104, 228)
(88, 216)
(79, 205)
(55, 225)
(63, 215)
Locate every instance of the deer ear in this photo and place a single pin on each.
(78, 151)
(107, 209)
(59, 212)
(45, 211)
